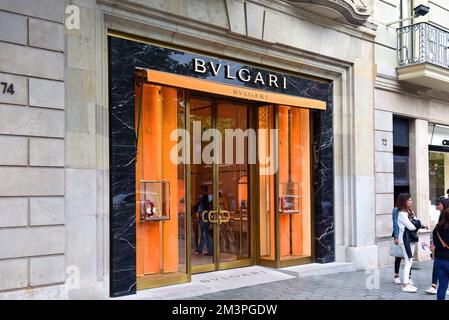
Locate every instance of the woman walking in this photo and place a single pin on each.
(441, 241)
(408, 226)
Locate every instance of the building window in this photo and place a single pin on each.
(438, 162)
(401, 155)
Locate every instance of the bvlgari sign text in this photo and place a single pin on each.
(242, 74)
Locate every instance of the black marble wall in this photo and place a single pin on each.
(125, 56)
(122, 171)
(323, 182)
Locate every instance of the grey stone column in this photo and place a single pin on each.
(419, 177)
(362, 246)
(384, 184)
(83, 220)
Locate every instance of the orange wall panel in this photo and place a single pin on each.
(148, 168)
(297, 149)
(284, 222)
(157, 241)
(170, 173)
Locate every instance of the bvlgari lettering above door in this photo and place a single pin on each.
(228, 72)
(242, 74)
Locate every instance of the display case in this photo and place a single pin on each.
(154, 200)
(289, 198)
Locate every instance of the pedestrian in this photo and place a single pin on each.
(397, 260)
(441, 241)
(442, 204)
(408, 226)
(204, 206)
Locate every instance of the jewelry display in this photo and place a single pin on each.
(154, 200)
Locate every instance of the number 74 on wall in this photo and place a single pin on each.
(7, 88)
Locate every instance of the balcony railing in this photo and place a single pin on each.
(423, 43)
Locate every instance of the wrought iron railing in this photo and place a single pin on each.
(423, 43)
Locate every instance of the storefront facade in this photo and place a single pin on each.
(280, 118)
(137, 70)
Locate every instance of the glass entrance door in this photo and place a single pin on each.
(219, 180)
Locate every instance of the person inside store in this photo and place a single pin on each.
(204, 206)
(441, 253)
(408, 226)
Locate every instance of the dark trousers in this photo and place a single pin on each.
(442, 267)
(205, 238)
(397, 265)
(195, 228)
(434, 273)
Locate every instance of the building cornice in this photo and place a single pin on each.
(355, 12)
(392, 84)
(361, 32)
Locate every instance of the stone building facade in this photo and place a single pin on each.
(57, 239)
(421, 101)
(32, 205)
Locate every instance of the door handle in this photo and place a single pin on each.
(226, 214)
(203, 214)
(212, 217)
(222, 216)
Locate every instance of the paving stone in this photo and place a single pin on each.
(343, 286)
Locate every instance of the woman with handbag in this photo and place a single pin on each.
(441, 241)
(396, 250)
(408, 226)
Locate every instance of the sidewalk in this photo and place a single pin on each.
(359, 285)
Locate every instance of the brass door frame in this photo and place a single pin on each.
(217, 265)
(215, 196)
(253, 208)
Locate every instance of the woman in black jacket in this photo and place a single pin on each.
(442, 204)
(441, 242)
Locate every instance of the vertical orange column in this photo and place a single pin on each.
(297, 148)
(305, 187)
(284, 226)
(266, 187)
(271, 177)
(170, 173)
(150, 162)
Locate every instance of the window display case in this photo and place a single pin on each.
(154, 200)
(289, 198)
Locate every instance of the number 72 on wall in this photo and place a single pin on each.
(7, 88)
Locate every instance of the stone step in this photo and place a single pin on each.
(211, 282)
(319, 269)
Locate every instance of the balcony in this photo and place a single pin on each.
(423, 55)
